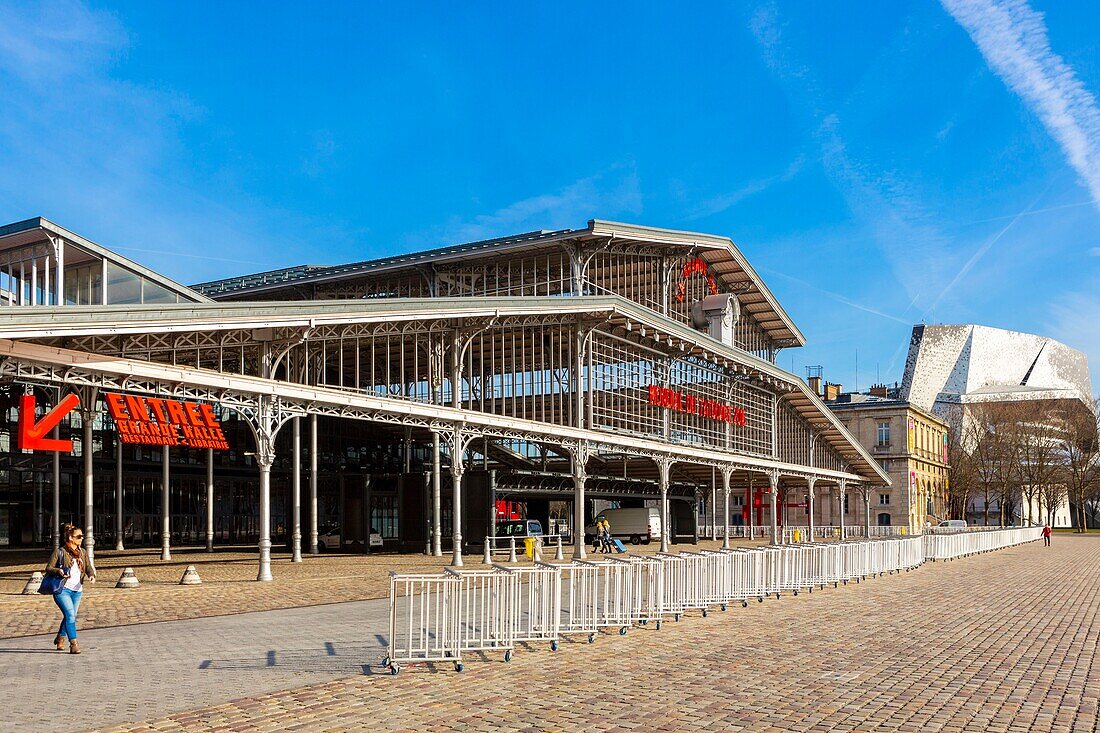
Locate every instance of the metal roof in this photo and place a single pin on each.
(29, 322)
(722, 256)
(30, 231)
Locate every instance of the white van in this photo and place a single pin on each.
(639, 525)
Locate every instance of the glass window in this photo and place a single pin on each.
(884, 433)
(884, 500)
(153, 293)
(123, 286)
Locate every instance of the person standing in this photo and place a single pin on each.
(1046, 535)
(70, 561)
(606, 536)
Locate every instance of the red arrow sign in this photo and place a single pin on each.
(32, 436)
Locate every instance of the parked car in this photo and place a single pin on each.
(519, 528)
(328, 539)
(952, 525)
(639, 525)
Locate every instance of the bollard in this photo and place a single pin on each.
(512, 549)
(32, 585)
(536, 550)
(127, 579)
(487, 558)
(190, 576)
(559, 555)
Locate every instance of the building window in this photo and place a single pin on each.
(884, 519)
(883, 434)
(884, 500)
(846, 503)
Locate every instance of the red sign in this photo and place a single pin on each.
(32, 435)
(153, 421)
(673, 400)
(691, 267)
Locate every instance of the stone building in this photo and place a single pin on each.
(911, 445)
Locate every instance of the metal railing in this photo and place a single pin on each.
(962, 544)
(436, 618)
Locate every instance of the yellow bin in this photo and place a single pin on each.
(529, 547)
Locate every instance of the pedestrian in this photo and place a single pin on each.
(70, 561)
(597, 537)
(1046, 535)
(606, 536)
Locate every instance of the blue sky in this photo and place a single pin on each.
(881, 164)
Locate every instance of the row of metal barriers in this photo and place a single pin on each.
(443, 617)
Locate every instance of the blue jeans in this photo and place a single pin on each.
(68, 601)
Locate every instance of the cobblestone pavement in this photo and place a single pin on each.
(228, 585)
(1006, 641)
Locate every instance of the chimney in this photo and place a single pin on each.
(832, 391)
(879, 390)
(815, 384)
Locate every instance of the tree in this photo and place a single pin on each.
(1080, 450)
(962, 482)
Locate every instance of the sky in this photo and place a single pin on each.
(880, 164)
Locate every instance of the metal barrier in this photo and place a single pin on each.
(423, 620)
(961, 544)
(439, 617)
(486, 618)
(536, 605)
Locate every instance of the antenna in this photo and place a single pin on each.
(855, 387)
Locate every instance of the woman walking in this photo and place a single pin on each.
(70, 561)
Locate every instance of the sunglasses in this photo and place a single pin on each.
(78, 536)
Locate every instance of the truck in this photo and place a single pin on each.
(639, 525)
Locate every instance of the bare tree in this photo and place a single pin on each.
(963, 480)
(1080, 450)
(992, 430)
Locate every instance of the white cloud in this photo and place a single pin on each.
(1013, 39)
(612, 193)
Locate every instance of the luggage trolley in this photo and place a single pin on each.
(423, 620)
(536, 605)
(485, 614)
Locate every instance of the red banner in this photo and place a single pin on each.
(673, 400)
(154, 421)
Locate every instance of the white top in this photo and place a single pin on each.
(73, 582)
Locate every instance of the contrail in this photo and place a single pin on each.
(835, 296)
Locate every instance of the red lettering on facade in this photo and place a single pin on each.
(670, 399)
(153, 421)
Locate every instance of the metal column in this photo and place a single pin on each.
(209, 499)
(313, 549)
(265, 516)
(457, 469)
(87, 415)
(55, 531)
(296, 494)
(118, 494)
(580, 476)
(726, 474)
(810, 482)
(773, 492)
(437, 532)
(843, 492)
(165, 515)
(663, 466)
(867, 512)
